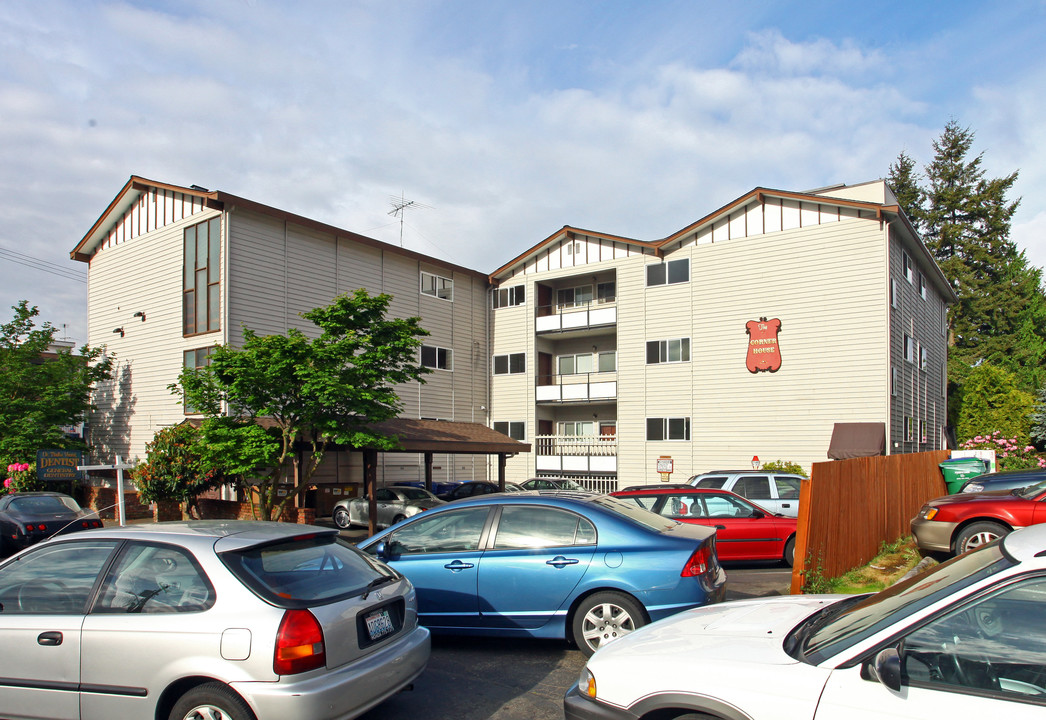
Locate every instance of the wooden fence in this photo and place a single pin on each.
(848, 508)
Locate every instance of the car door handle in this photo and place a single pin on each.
(49, 638)
(560, 562)
(720, 527)
(458, 565)
(786, 504)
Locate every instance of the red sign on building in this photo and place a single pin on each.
(764, 353)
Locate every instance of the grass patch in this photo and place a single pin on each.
(893, 561)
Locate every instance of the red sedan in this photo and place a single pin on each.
(744, 531)
(955, 524)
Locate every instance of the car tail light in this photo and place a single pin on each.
(700, 562)
(299, 644)
(30, 527)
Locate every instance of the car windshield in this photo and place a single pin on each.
(634, 513)
(1031, 490)
(414, 493)
(841, 625)
(306, 571)
(44, 504)
(568, 485)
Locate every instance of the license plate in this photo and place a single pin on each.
(379, 624)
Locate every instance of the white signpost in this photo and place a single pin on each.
(119, 467)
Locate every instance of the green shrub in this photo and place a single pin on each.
(174, 470)
(784, 466)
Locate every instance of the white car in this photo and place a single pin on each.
(774, 491)
(965, 640)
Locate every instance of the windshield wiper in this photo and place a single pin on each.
(383, 580)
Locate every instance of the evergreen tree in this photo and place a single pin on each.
(904, 180)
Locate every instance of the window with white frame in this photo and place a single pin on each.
(893, 381)
(924, 358)
(668, 273)
(574, 364)
(515, 430)
(437, 286)
(607, 361)
(895, 301)
(606, 292)
(922, 432)
(511, 364)
(437, 358)
(509, 296)
(906, 265)
(577, 428)
(668, 351)
(922, 286)
(911, 352)
(909, 428)
(574, 297)
(668, 428)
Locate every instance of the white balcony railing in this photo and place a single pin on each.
(576, 387)
(576, 453)
(559, 318)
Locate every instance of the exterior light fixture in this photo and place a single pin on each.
(755, 462)
(118, 330)
(140, 314)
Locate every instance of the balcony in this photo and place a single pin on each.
(576, 453)
(576, 318)
(577, 387)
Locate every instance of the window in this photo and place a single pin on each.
(155, 579)
(909, 429)
(580, 428)
(668, 351)
(512, 364)
(922, 431)
(54, 580)
(906, 264)
(201, 309)
(606, 292)
(445, 532)
(437, 286)
(668, 273)
(510, 296)
(515, 430)
(910, 349)
(668, 428)
(437, 357)
(711, 482)
(571, 364)
(608, 361)
(894, 294)
(893, 381)
(990, 647)
(538, 527)
(922, 286)
(574, 297)
(924, 358)
(196, 360)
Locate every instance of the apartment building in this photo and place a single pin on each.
(743, 338)
(174, 271)
(748, 334)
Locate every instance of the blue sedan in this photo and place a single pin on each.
(583, 567)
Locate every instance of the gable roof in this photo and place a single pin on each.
(564, 233)
(216, 199)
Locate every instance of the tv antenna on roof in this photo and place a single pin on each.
(399, 207)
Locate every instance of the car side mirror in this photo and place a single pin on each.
(382, 550)
(886, 668)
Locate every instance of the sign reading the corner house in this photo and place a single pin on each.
(764, 354)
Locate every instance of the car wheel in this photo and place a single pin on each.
(604, 617)
(211, 701)
(398, 519)
(341, 518)
(977, 534)
(789, 552)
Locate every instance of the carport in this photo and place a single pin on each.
(428, 437)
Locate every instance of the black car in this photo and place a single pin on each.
(1005, 480)
(552, 484)
(478, 487)
(28, 518)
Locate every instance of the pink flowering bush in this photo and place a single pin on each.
(1010, 454)
(21, 478)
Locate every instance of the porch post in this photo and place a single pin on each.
(502, 457)
(370, 477)
(428, 471)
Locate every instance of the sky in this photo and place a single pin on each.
(502, 121)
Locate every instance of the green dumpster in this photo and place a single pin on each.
(957, 471)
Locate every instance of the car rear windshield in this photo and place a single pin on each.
(634, 513)
(44, 504)
(414, 493)
(300, 572)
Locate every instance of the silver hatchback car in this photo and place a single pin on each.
(209, 619)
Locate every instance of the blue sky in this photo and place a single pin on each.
(506, 120)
